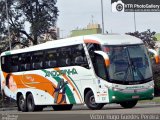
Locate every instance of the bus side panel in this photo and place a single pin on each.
(8, 89)
(62, 87)
(53, 86)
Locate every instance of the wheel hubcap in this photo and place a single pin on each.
(92, 100)
(21, 102)
(30, 103)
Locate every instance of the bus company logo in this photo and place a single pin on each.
(118, 6)
(58, 73)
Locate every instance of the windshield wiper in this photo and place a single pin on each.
(129, 64)
(126, 75)
(133, 67)
(137, 70)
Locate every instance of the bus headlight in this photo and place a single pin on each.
(114, 89)
(152, 86)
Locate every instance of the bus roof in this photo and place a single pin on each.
(96, 38)
(115, 39)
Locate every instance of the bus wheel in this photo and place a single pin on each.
(62, 107)
(30, 103)
(90, 101)
(128, 104)
(21, 103)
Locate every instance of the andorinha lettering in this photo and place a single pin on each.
(61, 72)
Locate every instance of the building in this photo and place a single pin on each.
(91, 29)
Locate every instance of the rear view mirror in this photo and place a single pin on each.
(155, 53)
(105, 56)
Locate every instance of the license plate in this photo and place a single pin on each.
(135, 97)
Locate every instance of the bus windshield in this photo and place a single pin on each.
(128, 64)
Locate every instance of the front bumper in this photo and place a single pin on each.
(119, 96)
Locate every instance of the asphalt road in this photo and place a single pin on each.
(81, 112)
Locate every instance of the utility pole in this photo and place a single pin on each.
(135, 27)
(9, 34)
(102, 17)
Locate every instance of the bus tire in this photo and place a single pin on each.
(90, 101)
(21, 103)
(62, 107)
(31, 104)
(128, 104)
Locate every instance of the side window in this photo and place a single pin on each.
(79, 56)
(100, 68)
(3, 64)
(50, 58)
(65, 58)
(6, 63)
(14, 62)
(25, 60)
(91, 48)
(37, 60)
(71, 56)
(10, 63)
(97, 60)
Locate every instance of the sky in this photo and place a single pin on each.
(75, 14)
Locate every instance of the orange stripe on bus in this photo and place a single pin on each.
(157, 59)
(91, 41)
(40, 82)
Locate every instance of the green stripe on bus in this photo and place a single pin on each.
(8, 53)
(120, 96)
(68, 90)
(75, 86)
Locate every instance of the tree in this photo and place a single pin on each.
(39, 15)
(147, 37)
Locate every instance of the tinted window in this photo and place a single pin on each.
(91, 48)
(51, 58)
(25, 60)
(79, 56)
(99, 67)
(10, 63)
(65, 56)
(37, 60)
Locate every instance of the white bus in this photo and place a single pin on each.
(92, 70)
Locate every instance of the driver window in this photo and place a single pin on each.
(99, 67)
(91, 48)
(97, 60)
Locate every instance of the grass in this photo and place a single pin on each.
(155, 100)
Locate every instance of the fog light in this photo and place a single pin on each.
(151, 86)
(152, 94)
(113, 97)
